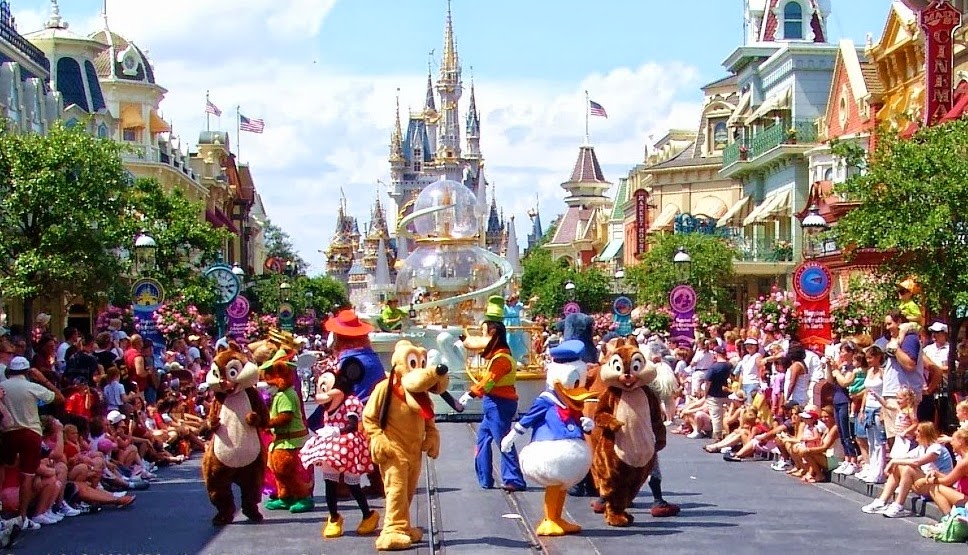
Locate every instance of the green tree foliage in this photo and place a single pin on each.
(279, 245)
(186, 243)
(327, 294)
(711, 270)
(912, 198)
(545, 279)
(62, 201)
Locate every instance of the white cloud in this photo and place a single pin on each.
(326, 131)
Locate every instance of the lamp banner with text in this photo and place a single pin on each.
(237, 314)
(812, 283)
(682, 300)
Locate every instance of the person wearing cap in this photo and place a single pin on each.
(750, 368)
(391, 317)
(935, 358)
(22, 433)
(716, 381)
(903, 366)
(495, 386)
(512, 318)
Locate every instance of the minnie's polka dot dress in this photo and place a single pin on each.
(347, 454)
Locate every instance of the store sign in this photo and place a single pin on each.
(641, 219)
(938, 21)
(812, 283)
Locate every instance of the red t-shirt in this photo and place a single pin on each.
(70, 450)
(75, 405)
(140, 381)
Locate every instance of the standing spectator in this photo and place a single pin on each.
(70, 338)
(797, 384)
(82, 364)
(717, 390)
(103, 350)
(193, 354)
(6, 355)
(750, 368)
(22, 435)
(935, 370)
(903, 366)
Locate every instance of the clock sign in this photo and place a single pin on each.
(228, 284)
(812, 281)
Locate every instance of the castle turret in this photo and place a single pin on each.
(473, 129)
(339, 254)
(377, 238)
(448, 151)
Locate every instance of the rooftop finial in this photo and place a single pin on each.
(449, 62)
(55, 21)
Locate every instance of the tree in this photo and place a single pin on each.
(279, 245)
(327, 294)
(711, 270)
(545, 279)
(186, 243)
(62, 201)
(911, 205)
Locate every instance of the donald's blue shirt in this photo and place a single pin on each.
(550, 421)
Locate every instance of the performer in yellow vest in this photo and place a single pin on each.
(495, 388)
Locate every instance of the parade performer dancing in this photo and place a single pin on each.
(499, 397)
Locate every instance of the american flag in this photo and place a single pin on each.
(595, 109)
(251, 125)
(211, 108)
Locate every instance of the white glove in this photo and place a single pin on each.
(327, 432)
(507, 444)
(587, 424)
(465, 398)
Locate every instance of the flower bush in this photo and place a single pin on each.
(111, 312)
(658, 318)
(783, 251)
(259, 326)
(174, 322)
(777, 311)
(849, 320)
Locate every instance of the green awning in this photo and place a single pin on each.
(611, 249)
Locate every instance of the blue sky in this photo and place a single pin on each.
(324, 74)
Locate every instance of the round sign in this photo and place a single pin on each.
(147, 294)
(812, 281)
(239, 308)
(571, 308)
(622, 306)
(286, 311)
(682, 298)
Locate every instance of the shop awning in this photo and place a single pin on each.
(709, 206)
(779, 101)
(218, 218)
(960, 105)
(158, 125)
(611, 249)
(773, 205)
(733, 211)
(131, 117)
(665, 218)
(739, 112)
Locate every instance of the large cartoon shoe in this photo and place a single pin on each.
(303, 505)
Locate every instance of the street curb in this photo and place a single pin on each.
(915, 503)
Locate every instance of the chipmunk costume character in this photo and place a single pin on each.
(558, 456)
(289, 433)
(399, 420)
(629, 431)
(235, 454)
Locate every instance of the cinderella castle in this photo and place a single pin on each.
(427, 149)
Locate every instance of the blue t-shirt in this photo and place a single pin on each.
(718, 377)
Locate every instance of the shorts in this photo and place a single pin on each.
(889, 412)
(25, 444)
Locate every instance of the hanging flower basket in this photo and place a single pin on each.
(777, 311)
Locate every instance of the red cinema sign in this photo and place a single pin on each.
(938, 21)
(641, 219)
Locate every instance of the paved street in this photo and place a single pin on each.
(734, 508)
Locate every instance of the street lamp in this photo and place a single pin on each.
(145, 248)
(813, 224)
(619, 276)
(284, 289)
(570, 289)
(683, 264)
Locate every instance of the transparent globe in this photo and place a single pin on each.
(459, 220)
(438, 272)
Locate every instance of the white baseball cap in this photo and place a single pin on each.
(19, 364)
(938, 327)
(115, 416)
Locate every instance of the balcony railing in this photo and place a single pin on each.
(762, 249)
(783, 132)
(142, 153)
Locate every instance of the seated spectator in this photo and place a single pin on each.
(80, 400)
(902, 473)
(948, 489)
(786, 439)
(738, 437)
(734, 411)
(695, 420)
(811, 436)
(817, 461)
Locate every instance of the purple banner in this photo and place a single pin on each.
(682, 300)
(237, 317)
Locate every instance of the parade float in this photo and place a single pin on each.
(443, 285)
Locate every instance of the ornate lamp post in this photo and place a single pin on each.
(813, 224)
(145, 248)
(683, 265)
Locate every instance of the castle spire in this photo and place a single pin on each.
(396, 138)
(450, 62)
(55, 21)
(430, 106)
(473, 118)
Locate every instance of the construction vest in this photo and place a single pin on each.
(509, 378)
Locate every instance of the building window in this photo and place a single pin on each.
(102, 131)
(129, 135)
(417, 158)
(828, 174)
(793, 21)
(71, 123)
(720, 136)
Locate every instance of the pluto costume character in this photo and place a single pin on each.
(558, 456)
(399, 420)
(629, 431)
(235, 454)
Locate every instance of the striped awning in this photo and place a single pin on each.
(780, 101)
(773, 205)
(734, 210)
(665, 218)
(709, 206)
(611, 249)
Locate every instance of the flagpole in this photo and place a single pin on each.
(238, 131)
(208, 115)
(586, 116)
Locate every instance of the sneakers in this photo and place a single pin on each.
(27, 524)
(849, 469)
(875, 507)
(840, 468)
(782, 465)
(46, 519)
(695, 435)
(65, 509)
(895, 510)
(873, 479)
(725, 450)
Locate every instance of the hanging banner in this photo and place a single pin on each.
(622, 315)
(147, 295)
(286, 314)
(812, 283)
(641, 220)
(237, 314)
(938, 21)
(682, 300)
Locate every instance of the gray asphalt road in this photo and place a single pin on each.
(727, 508)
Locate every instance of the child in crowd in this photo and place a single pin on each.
(906, 423)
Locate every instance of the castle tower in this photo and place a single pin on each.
(430, 114)
(494, 232)
(339, 254)
(473, 130)
(378, 234)
(448, 151)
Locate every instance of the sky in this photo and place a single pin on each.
(323, 74)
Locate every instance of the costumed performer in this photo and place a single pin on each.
(512, 318)
(294, 485)
(558, 456)
(499, 398)
(340, 449)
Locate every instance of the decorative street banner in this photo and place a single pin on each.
(286, 315)
(571, 308)
(146, 297)
(812, 283)
(641, 220)
(622, 315)
(237, 314)
(938, 21)
(682, 300)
